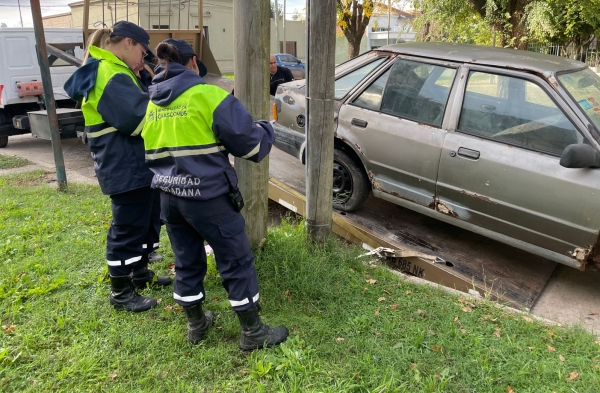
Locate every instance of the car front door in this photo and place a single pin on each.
(499, 168)
(396, 125)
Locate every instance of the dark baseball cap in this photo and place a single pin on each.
(183, 48)
(133, 31)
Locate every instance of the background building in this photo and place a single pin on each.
(175, 15)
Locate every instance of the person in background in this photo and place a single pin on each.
(190, 129)
(114, 104)
(279, 75)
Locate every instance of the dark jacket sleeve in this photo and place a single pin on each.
(240, 135)
(123, 105)
(287, 75)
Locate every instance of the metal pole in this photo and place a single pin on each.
(284, 40)
(278, 50)
(251, 25)
(40, 41)
(20, 15)
(389, 24)
(201, 27)
(320, 122)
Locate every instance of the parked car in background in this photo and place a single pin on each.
(501, 142)
(292, 63)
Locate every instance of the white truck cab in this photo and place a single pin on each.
(21, 89)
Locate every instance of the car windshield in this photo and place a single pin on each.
(584, 86)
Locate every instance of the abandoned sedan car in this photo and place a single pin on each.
(500, 142)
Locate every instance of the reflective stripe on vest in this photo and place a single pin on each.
(184, 127)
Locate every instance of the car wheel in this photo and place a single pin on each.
(3, 140)
(350, 183)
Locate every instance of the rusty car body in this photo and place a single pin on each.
(500, 142)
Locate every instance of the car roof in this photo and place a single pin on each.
(486, 55)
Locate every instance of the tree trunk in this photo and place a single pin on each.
(353, 48)
(517, 12)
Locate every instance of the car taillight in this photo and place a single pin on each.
(274, 111)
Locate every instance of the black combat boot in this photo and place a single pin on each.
(154, 257)
(198, 322)
(255, 334)
(124, 297)
(142, 276)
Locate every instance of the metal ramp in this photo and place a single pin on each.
(432, 250)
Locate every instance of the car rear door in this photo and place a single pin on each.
(499, 167)
(396, 124)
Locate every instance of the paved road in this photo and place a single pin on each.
(570, 297)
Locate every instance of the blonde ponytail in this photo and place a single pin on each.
(101, 38)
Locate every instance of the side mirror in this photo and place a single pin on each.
(580, 156)
(298, 61)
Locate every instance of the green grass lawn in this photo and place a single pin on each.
(354, 327)
(7, 162)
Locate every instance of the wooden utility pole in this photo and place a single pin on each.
(251, 69)
(40, 41)
(320, 19)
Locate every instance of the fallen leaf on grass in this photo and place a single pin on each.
(112, 376)
(497, 332)
(371, 281)
(159, 300)
(561, 357)
(436, 348)
(340, 339)
(420, 312)
(178, 308)
(551, 349)
(463, 331)
(7, 329)
(262, 243)
(593, 313)
(413, 365)
(551, 333)
(169, 307)
(170, 266)
(388, 292)
(243, 372)
(531, 348)
(466, 309)
(364, 291)
(408, 292)
(377, 313)
(527, 319)
(573, 376)
(381, 299)
(394, 306)
(509, 389)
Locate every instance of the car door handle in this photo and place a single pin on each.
(359, 123)
(468, 153)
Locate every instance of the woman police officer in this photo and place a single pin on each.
(114, 104)
(190, 129)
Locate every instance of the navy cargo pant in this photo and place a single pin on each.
(133, 231)
(189, 223)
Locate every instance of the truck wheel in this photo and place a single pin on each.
(3, 140)
(351, 186)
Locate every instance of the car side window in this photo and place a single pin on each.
(418, 91)
(347, 82)
(371, 97)
(515, 111)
